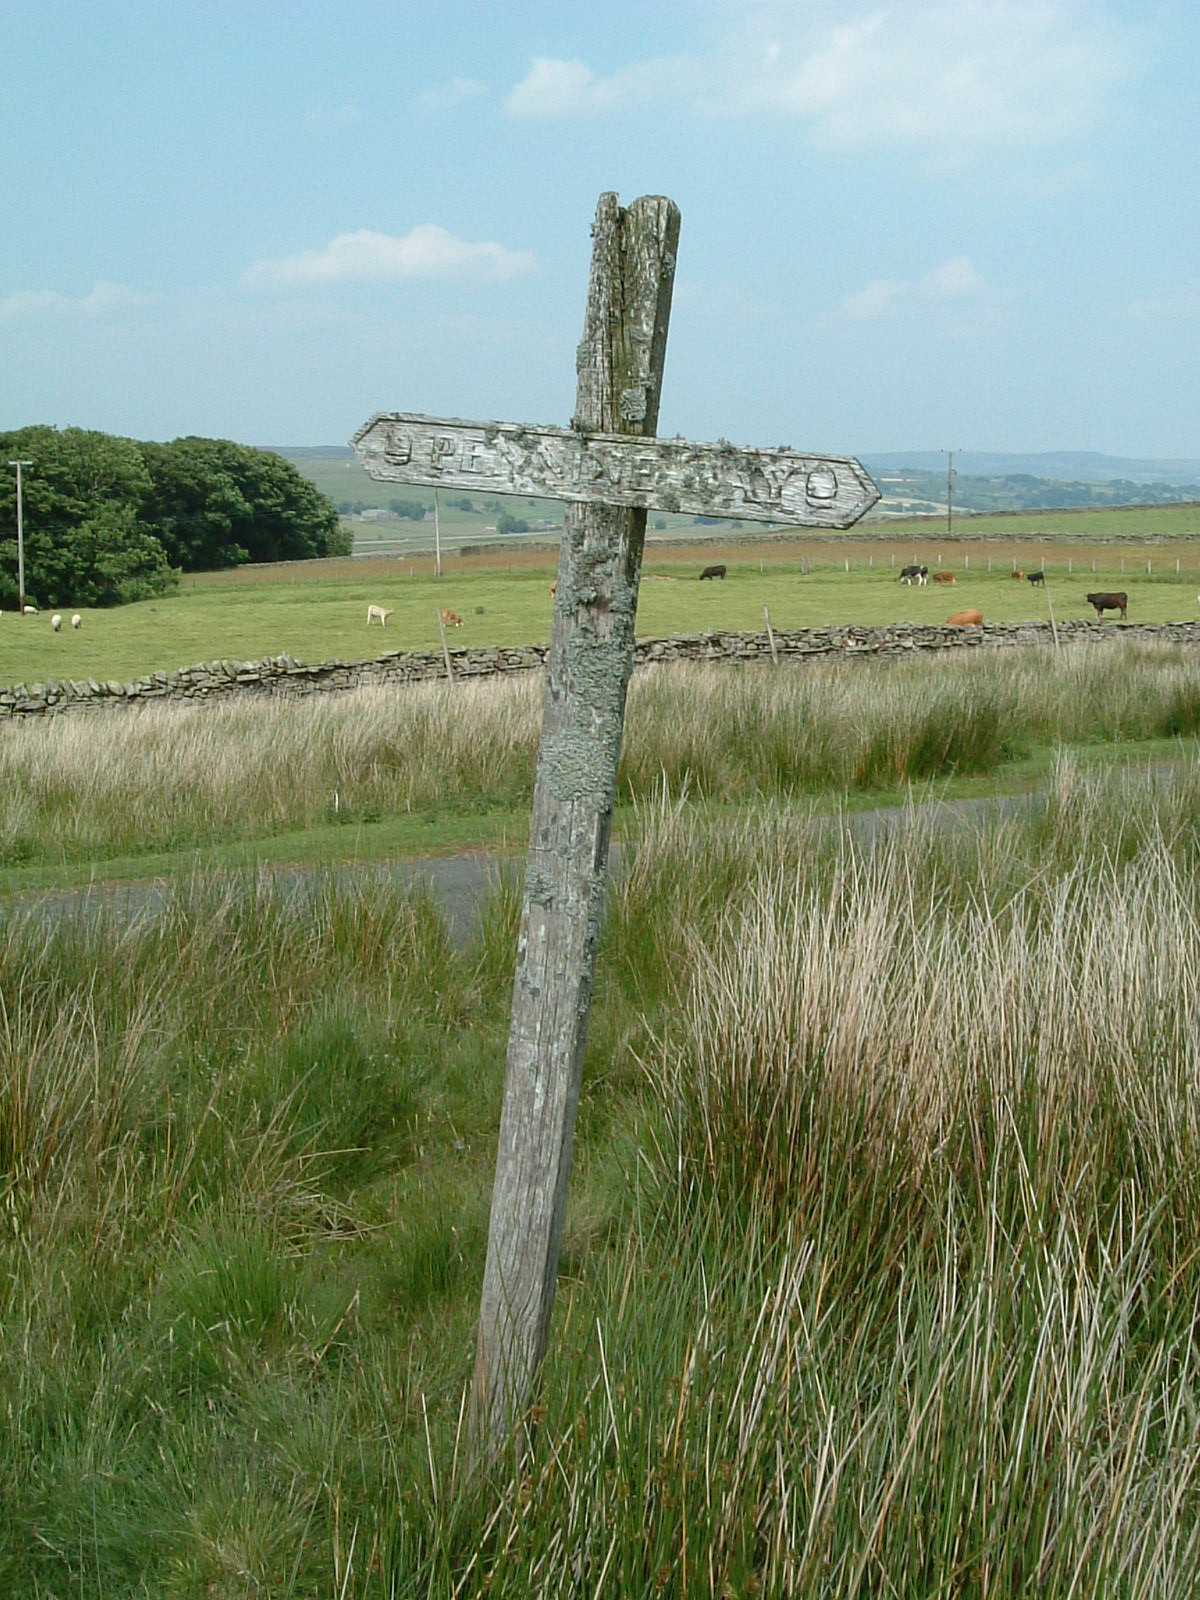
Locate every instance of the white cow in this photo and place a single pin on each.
(380, 612)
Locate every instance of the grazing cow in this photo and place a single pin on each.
(451, 619)
(553, 589)
(56, 622)
(379, 614)
(1036, 577)
(1018, 573)
(965, 619)
(914, 570)
(943, 577)
(77, 621)
(1109, 602)
(715, 571)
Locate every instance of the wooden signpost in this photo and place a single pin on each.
(609, 468)
(715, 480)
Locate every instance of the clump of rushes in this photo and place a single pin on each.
(908, 1300)
(174, 778)
(879, 1272)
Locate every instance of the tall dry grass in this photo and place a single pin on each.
(880, 1272)
(910, 1300)
(172, 777)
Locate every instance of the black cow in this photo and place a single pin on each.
(1036, 577)
(907, 574)
(717, 571)
(1108, 602)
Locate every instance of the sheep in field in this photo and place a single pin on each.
(77, 621)
(381, 613)
(56, 622)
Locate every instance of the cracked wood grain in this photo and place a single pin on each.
(619, 365)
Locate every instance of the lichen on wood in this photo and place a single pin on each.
(587, 673)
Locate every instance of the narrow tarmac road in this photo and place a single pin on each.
(458, 883)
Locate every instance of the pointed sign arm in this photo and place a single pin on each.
(715, 480)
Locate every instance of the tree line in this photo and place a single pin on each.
(108, 519)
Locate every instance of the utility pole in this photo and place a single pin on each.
(20, 541)
(949, 490)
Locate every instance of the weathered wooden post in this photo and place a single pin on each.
(619, 365)
(610, 469)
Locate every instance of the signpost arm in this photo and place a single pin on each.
(620, 364)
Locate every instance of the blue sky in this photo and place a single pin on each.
(908, 225)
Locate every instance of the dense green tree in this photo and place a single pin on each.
(109, 519)
(84, 542)
(407, 510)
(214, 504)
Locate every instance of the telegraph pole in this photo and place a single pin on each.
(20, 541)
(949, 489)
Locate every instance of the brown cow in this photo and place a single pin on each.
(943, 577)
(965, 619)
(451, 619)
(1108, 602)
(1018, 573)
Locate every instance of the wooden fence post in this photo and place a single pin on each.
(771, 636)
(619, 364)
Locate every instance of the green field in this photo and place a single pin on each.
(316, 611)
(346, 482)
(879, 1272)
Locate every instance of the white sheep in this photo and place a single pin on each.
(380, 612)
(30, 611)
(77, 621)
(56, 621)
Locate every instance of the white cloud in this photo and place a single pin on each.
(952, 279)
(102, 299)
(956, 278)
(554, 88)
(939, 76)
(445, 96)
(367, 257)
(872, 301)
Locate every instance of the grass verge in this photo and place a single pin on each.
(879, 1271)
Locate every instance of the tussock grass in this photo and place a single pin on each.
(178, 776)
(910, 1299)
(880, 1271)
(163, 778)
(862, 725)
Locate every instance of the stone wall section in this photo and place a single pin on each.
(281, 676)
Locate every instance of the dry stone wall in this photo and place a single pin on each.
(281, 676)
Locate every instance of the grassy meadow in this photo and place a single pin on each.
(879, 1273)
(316, 611)
(439, 767)
(320, 613)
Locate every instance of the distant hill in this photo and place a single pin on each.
(911, 481)
(1073, 466)
(307, 452)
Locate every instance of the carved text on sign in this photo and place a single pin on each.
(662, 474)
